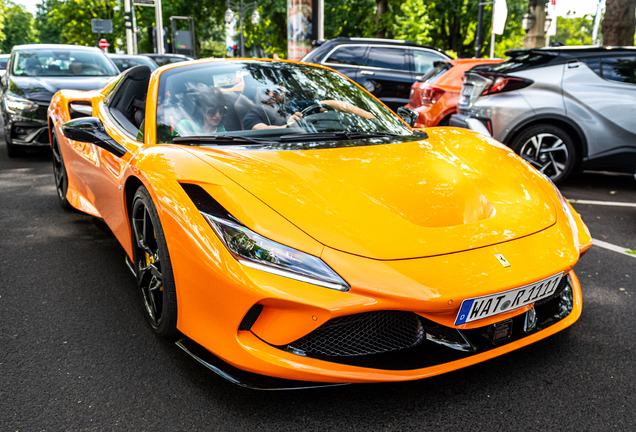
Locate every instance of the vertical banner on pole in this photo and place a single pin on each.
(499, 17)
(552, 14)
(299, 28)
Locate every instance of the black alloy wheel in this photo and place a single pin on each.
(548, 148)
(152, 266)
(59, 172)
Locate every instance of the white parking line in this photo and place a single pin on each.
(619, 249)
(603, 203)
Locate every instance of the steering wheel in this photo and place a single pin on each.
(318, 107)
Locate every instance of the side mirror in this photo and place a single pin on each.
(409, 115)
(91, 130)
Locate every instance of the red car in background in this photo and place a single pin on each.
(435, 96)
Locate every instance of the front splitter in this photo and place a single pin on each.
(242, 378)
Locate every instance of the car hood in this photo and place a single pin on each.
(42, 89)
(454, 191)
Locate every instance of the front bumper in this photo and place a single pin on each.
(27, 129)
(442, 349)
(478, 124)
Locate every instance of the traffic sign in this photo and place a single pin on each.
(101, 26)
(103, 44)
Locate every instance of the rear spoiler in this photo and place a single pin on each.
(517, 52)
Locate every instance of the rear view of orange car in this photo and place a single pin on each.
(435, 96)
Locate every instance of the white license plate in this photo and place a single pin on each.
(464, 97)
(494, 304)
(467, 90)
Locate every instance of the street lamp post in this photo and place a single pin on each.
(243, 9)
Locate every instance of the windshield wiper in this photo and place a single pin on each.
(219, 139)
(335, 135)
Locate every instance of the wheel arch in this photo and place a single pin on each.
(130, 187)
(575, 132)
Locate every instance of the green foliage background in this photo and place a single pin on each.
(447, 24)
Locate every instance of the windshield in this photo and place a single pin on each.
(126, 62)
(266, 100)
(62, 62)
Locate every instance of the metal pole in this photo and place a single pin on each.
(597, 20)
(492, 30)
(480, 24)
(134, 28)
(129, 30)
(159, 22)
(242, 11)
(321, 20)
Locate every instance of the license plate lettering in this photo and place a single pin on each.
(494, 304)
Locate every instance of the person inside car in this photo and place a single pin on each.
(214, 108)
(275, 111)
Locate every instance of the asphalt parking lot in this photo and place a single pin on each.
(77, 354)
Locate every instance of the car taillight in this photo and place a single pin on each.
(502, 83)
(430, 95)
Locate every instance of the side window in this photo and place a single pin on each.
(593, 63)
(347, 55)
(424, 61)
(387, 58)
(621, 69)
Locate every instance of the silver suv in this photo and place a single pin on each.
(561, 109)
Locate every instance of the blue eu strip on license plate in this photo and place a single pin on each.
(494, 304)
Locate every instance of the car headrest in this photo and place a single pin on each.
(139, 73)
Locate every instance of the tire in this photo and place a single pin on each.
(152, 266)
(548, 148)
(59, 173)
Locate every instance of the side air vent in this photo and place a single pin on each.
(204, 202)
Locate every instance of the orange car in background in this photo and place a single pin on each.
(435, 96)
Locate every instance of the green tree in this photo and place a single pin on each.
(573, 30)
(48, 31)
(74, 17)
(18, 26)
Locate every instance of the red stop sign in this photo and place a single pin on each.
(103, 44)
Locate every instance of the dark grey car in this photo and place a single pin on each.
(386, 68)
(34, 74)
(562, 109)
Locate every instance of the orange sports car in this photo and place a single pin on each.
(435, 96)
(291, 231)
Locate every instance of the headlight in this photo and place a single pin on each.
(17, 104)
(255, 251)
(566, 209)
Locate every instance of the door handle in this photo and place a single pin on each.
(367, 73)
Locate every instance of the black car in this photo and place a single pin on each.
(386, 68)
(164, 59)
(34, 74)
(126, 61)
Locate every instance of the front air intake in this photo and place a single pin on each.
(362, 334)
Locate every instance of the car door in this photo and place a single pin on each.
(346, 59)
(600, 95)
(103, 180)
(387, 75)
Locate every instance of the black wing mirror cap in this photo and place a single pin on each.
(91, 130)
(409, 115)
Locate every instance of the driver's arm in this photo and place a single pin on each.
(348, 108)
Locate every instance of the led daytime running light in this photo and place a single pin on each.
(15, 104)
(257, 252)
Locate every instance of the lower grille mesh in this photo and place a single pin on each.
(363, 334)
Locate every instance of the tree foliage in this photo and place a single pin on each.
(17, 26)
(573, 30)
(450, 25)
